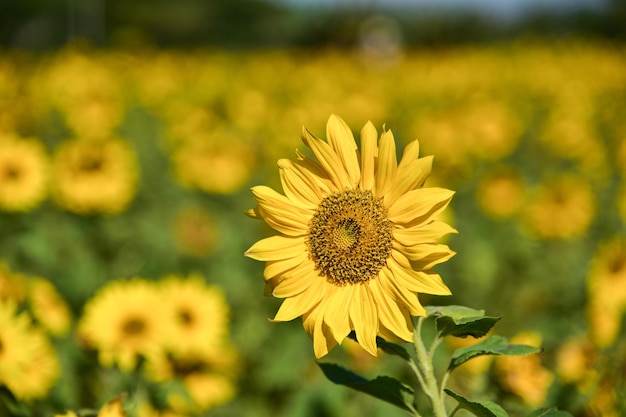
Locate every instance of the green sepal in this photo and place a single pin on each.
(461, 321)
(493, 345)
(384, 388)
(480, 409)
(549, 412)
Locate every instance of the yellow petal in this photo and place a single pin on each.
(274, 269)
(336, 310)
(296, 306)
(400, 294)
(416, 281)
(323, 340)
(342, 141)
(298, 184)
(410, 176)
(282, 214)
(328, 159)
(386, 164)
(411, 153)
(364, 317)
(290, 287)
(430, 232)
(391, 315)
(369, 151)
(316, 172)
(275, 248)
(425, 256)
(419, 206)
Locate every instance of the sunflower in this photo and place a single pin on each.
(606, 288)
(198, 315)
(48, 307)
(14, 353)
(562, 208)
(94, 176)
(12, 285)
(357, 237)
(23, 170)
(124, 321)
(28, 365)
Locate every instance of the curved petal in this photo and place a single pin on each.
(369, 151)
(400, 294)
(391, 316)
(419, 206)
(430, 232)
(297, 185)
(336, 312)
(386, 164)
(342, 141)
(274, 269)
(311, 168)
(415, 281)
(323, 340)
(300, 304)
(328, 159)
(364, 317)
(424, 256)
(410, 176)
(275, 248)
(282, 214)
(411, 153)
(295, 281)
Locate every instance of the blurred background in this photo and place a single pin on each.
(131, 132)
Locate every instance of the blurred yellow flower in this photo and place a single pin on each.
(501, 193)
(562, 208)
(213, 169)
(12, 285)
(28, 364)
(606, 287)
(124, 321)
(94, 176)
(48, 307)
(209, 380)
(524, 376)
(113, 408)
(575, 362)
(357, 237)
(198, 315)
(23, 174)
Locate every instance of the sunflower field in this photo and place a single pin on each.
(125, 175)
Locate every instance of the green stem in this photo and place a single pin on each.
(426, 371)
(453, 412)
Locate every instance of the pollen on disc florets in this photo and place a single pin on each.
(350, 237)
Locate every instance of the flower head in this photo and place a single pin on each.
(23, 169)
(357, 237)
(94, 176)
(124, 321)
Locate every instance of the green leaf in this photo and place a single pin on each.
(384, 388)
(549, 412)
(388, 347)
(494, 345)
(461, 321)
(480, 409)
(393, 349)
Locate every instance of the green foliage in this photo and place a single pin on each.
(493, 345)
(384, 388)
(479, 409)
(461, 321)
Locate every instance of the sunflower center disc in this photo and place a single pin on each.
(350, 237)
